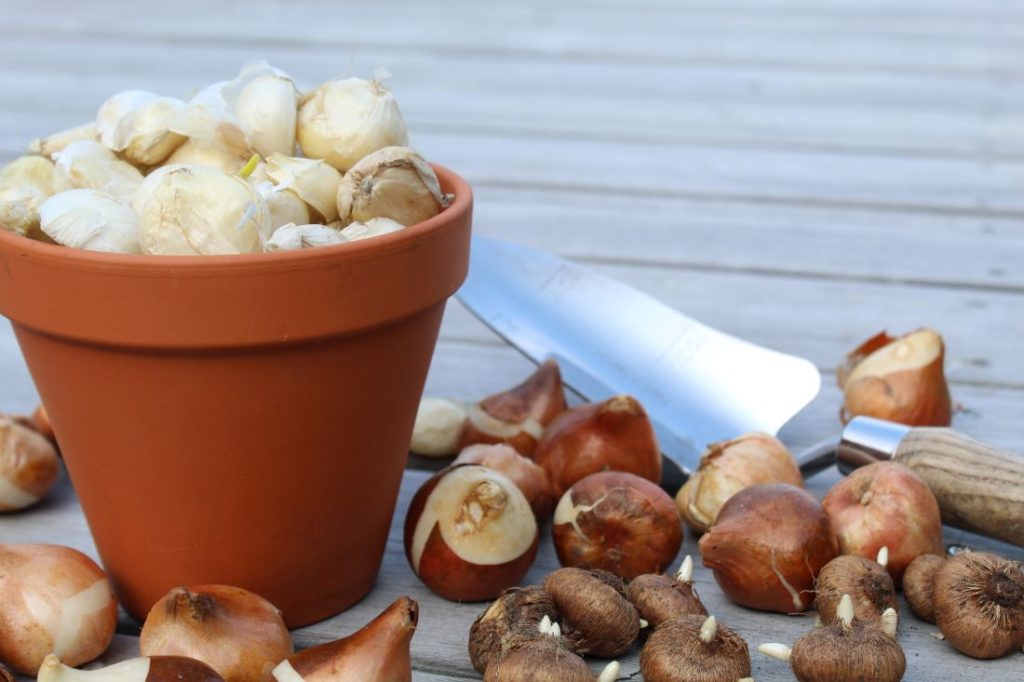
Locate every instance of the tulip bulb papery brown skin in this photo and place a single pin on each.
(898, 379)
(869, 585)
(618, 522)
(236, 632)
(143, 669)
(615, 435)
(596, 616)
(730, 466)
(28, 465)
(379, 652)
(848, 650)
(767, 547)
(694, 648)
(470, 533)
(525, 473)
(438, 427)
(41, 423)
(56, 600)
(5, 675)
(979, 604)
(519, 415)
(659, 598)
(885, 504)
(517, 610)
(919, 585)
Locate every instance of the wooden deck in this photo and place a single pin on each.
(798, 173)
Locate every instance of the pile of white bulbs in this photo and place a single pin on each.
(219, 174)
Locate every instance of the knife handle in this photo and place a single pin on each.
(979, 488)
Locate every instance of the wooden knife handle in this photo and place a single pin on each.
(979, 488)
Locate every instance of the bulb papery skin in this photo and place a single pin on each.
(192, 210)
(293, 237)
(50, 145)
(314, 181)
(197, 152)
(374, 227)
(54, 600)
(28, 465)
(25, 184)
(284, 206)
(202, 123)
(265, 101)
(344, 120)
(137, 124)
(393, 182)
(89, 165)
(92, 220)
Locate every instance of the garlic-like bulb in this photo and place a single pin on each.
(313, 180)
(48, 146)
(191, 209)
(374, 227)
(345, 119)
(87, 164)
(293, 237)
(207, 154)
(25, 184)
(88, 219)
(285, 207)
(137, 124)
(212, 126)
(394, 182)
(265, 101)
(212, 95)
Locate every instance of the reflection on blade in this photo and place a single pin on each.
(698, 384)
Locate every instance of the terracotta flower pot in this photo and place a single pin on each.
(238, 419)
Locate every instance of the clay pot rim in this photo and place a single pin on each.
(249, 263)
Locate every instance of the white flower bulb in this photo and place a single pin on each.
(313, 180)
(25, 184)
(210, 125)
(48, 146)
(137, 124)
(89, 165)
(191, 209)
(293, 237)
(343, 120)
(206, 154)
(88, 219)
(285, 207)
(265, 101)
(394, 182)
(374, 227)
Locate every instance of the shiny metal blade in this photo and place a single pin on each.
(699, 385)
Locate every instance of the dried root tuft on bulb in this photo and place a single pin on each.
(517, 610)
(867, 582)
(595, 614)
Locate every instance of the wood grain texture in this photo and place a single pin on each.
(980, 488)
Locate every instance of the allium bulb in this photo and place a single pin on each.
(137, 124)
(314, 181)
(190, 210)
(87, 164)
(89, 219)
(25, 184)
(265, 102)
(394, 182)
(293, 237)
(345, 119)
(374, 227)
(50, 145)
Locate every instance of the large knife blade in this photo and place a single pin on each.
(699, 385)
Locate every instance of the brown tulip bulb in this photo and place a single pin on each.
(848, 650)
(869, 585)
(885, 504)
(898, 379)
(236, 632)
(659, 598)
(595, 615)
(767, 547)
(143, 669)
(470, 533)
(617, 522)
(979, 604)
(694, 648)
(919, 585)
(379, 652)
(519, 415)
(517, 610)
(730, 466)
(531, 479)
(615, 435)
(29, 466)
